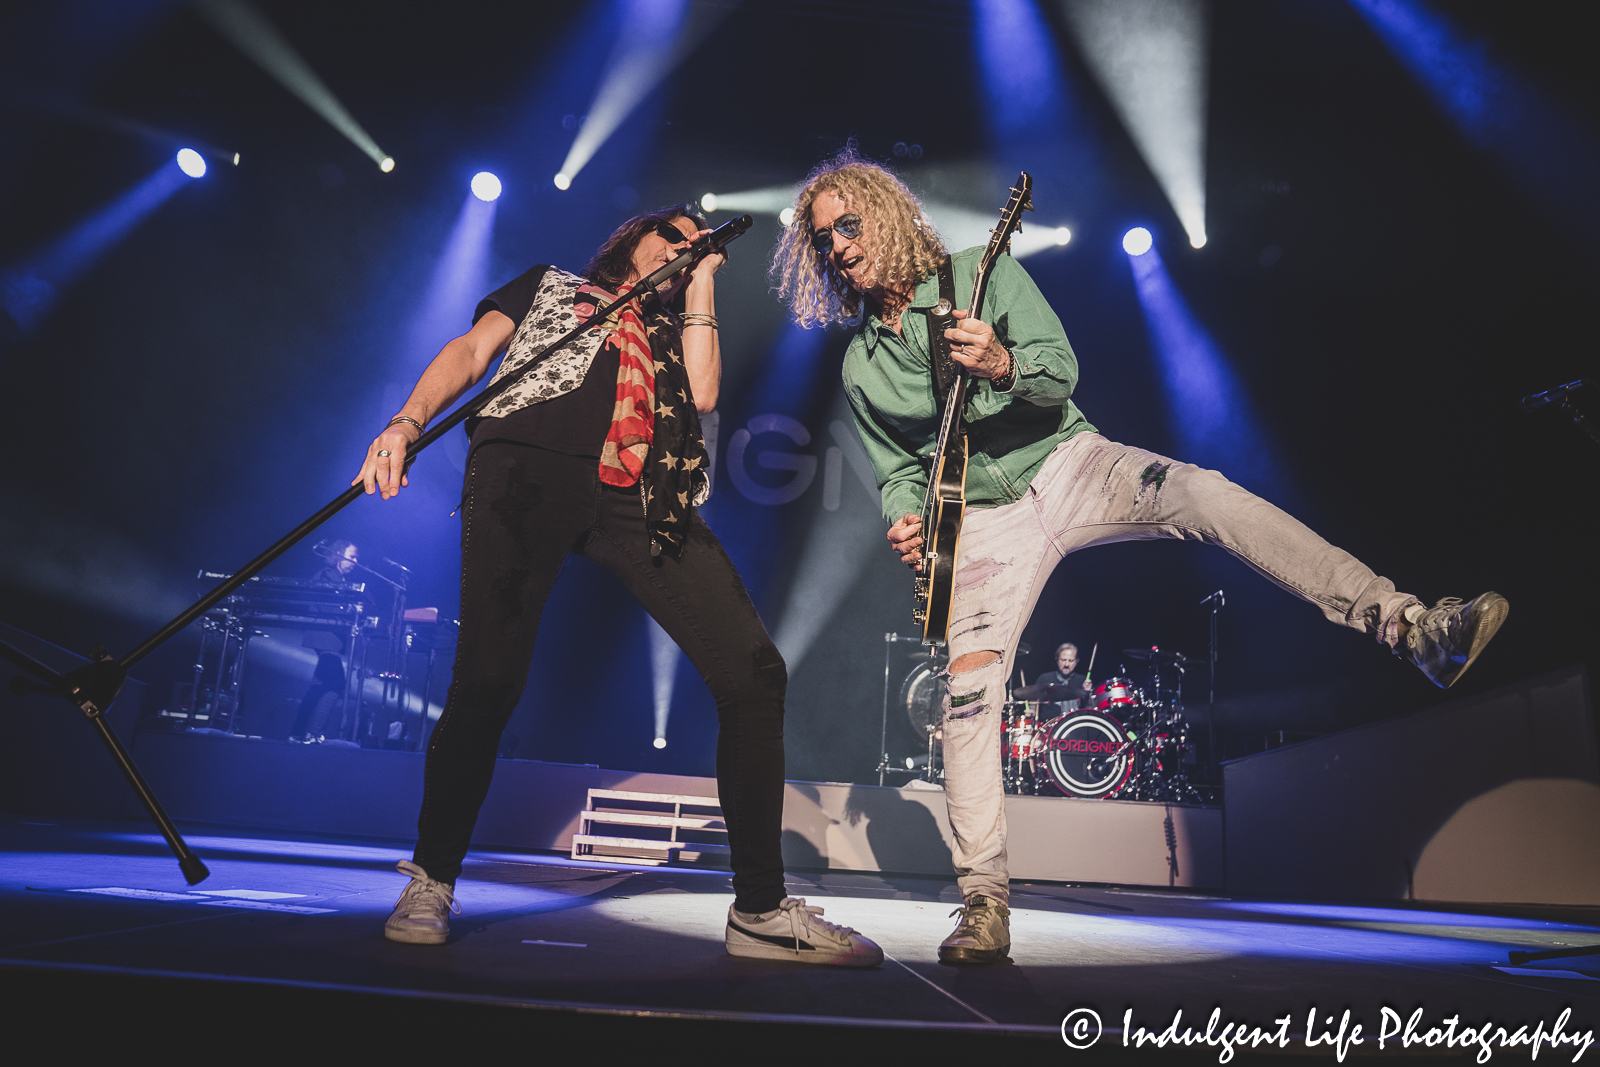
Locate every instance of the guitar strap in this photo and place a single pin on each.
(944, 368)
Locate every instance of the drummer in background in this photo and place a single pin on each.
(1067, 674)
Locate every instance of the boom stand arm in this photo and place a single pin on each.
(95, 685)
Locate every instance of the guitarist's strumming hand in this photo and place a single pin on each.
(973, 345)
(905, 537)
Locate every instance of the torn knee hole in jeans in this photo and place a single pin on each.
(966, 705)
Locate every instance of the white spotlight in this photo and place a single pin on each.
(191, 163)
(386, 164)
(1198, 240)
(563, 180)
(708, 203)
(786, 216)
(1137, 241)
(660, 742)
(1152, 59)
(1063, 235)
(236, 159)
(485, 186)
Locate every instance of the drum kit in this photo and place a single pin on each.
(1130, 740)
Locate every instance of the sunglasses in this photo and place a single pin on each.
(670, 233)
(845, 226)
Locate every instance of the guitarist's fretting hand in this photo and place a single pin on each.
(905, 537)
(973, 345)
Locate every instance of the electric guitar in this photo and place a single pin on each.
(945, 504)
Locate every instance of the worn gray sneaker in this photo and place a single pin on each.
(1445, 639)
(982, 936)
(795, 931)
(422, 914)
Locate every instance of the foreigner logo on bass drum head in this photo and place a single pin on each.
(1088, 754)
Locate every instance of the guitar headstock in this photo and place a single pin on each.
(1021, 200)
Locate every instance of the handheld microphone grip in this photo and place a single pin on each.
(703, 246)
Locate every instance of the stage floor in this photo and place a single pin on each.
(295, 921)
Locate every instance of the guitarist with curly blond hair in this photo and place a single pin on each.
(1039, 483)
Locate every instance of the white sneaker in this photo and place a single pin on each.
(422, 914)
(795, 931)
(982, 936)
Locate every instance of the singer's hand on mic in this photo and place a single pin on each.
(707, 267)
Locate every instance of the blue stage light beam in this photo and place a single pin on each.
(459, 280)
(664, 659)
(1022, 79)
(30, 288)
(1150, 58)
(250, 32)
(656, 35)
(1547, 149)
(1211, 417)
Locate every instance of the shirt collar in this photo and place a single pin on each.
(925, 295)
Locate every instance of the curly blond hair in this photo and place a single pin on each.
(897, 235)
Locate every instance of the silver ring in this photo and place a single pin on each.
(383, 451)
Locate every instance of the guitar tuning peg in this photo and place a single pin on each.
(1027, 205)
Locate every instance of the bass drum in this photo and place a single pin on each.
(1086, 754)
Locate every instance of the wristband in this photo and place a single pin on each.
(406, 418)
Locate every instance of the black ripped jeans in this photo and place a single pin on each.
(525, 509)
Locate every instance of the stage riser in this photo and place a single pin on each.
(324, 789)
(1490, 798)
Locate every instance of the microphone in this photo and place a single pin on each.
(717, 238)
(1551, 396)
(396, 566)
(703, 246)
(321, 548)
(1221, 600)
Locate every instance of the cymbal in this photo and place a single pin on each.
(1156, 654)
(1049, 692)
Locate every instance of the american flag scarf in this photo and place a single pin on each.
(654, 441)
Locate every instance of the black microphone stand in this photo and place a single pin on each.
(1217, 602)
(95, 685)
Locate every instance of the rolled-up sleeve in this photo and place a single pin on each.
(1023, 321)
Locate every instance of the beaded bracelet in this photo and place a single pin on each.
(1004, 382)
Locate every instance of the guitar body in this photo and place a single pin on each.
(943, 542)
(945, 505)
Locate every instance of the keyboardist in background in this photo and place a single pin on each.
(342, 557)
(322, 709)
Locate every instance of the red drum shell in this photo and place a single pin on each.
(1115, 693)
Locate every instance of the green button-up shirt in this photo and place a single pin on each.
(889, 381)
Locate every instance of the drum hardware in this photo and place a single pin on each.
(1127, 742)
(934, 664)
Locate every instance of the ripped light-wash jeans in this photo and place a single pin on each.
(1092, 491)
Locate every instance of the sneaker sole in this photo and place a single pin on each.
(958, 954)
(416, 937)
(760, 950)
(1485, 625)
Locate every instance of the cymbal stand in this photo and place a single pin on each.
(94, 686)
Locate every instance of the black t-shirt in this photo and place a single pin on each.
(574, 423)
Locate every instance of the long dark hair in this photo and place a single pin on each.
(613, 262)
